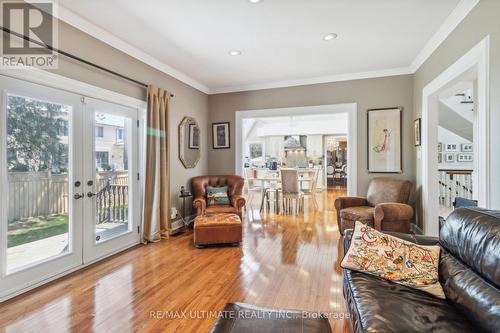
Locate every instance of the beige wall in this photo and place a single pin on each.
(482, 20)
(368, 93)
(187, 101)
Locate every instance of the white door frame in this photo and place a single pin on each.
(352, 118)
(477, 59)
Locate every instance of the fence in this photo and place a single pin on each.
(452, 184)
(34, 194)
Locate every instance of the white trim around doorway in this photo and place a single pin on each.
(477, 60)
(349, 108)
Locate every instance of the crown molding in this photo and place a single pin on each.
(450, 23)
(91, 29)
(315, 80)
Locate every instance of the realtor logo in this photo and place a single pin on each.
(28, 28)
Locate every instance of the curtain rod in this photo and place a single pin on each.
(69, 55)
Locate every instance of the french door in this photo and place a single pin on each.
(68, 182)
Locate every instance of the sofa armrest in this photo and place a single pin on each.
(346, 202)
(391, 212)
(200, 204)
(346, 240)
(237, 201)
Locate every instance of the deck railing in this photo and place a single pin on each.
(454, 183)
(33, 194)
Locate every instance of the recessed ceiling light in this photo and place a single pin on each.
(331, 36)
(255, 1)
(235, 52)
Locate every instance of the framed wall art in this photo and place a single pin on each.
(220, 136)
(467, 147)
(417, 135)
(453, 147)
(384, 136)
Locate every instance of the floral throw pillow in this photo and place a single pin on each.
(394, 259)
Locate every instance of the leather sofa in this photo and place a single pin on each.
(468, 272)
(234, 188)
(384, 208)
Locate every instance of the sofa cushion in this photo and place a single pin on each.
(378, 305)
(469, 269)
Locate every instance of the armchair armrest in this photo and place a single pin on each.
(200, 204)
(237, 201)
(346, 202)
(392, 212)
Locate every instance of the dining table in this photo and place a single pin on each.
(277, 180)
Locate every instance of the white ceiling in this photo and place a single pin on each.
(281, 40)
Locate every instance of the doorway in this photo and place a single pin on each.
(472, 69)
(244, 125)
(64, 202)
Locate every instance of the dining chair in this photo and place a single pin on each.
(311, 191)
(292, 197)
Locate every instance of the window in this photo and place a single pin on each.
(99, 132)
(119, 134)
(102, 160)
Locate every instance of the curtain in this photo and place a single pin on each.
(157, 185)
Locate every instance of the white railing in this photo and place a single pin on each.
(452, 184)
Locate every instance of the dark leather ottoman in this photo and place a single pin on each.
(217, 229)
(246, 318)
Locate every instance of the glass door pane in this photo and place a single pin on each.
(37, 173)
(112, 176)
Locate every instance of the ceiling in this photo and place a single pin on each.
(281, 40)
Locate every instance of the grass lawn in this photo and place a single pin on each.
(35, 228)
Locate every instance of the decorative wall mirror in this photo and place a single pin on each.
(189, 142)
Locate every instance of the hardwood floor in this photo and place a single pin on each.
(284, 261)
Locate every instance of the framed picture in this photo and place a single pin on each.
(440, 158)
(449, 158)
(440, 147)
(465, 157)
(451, 147)
(417, 132)
(220, 136)
(256, 150)
(385, 140)
(467, 147)
(194, 136)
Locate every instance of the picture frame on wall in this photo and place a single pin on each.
(417, 135)
(451, 147)
(384, 150)
(440, 147)
(467, 147)
(221, 135)
(194, 137)
(449, 158)
(440, 157)
(467, 157)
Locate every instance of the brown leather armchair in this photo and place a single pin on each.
(385, 207)
(234, 188)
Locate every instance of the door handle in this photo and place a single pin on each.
(91, 194)
(78, 196)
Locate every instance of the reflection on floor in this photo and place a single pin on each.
(284, 261)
